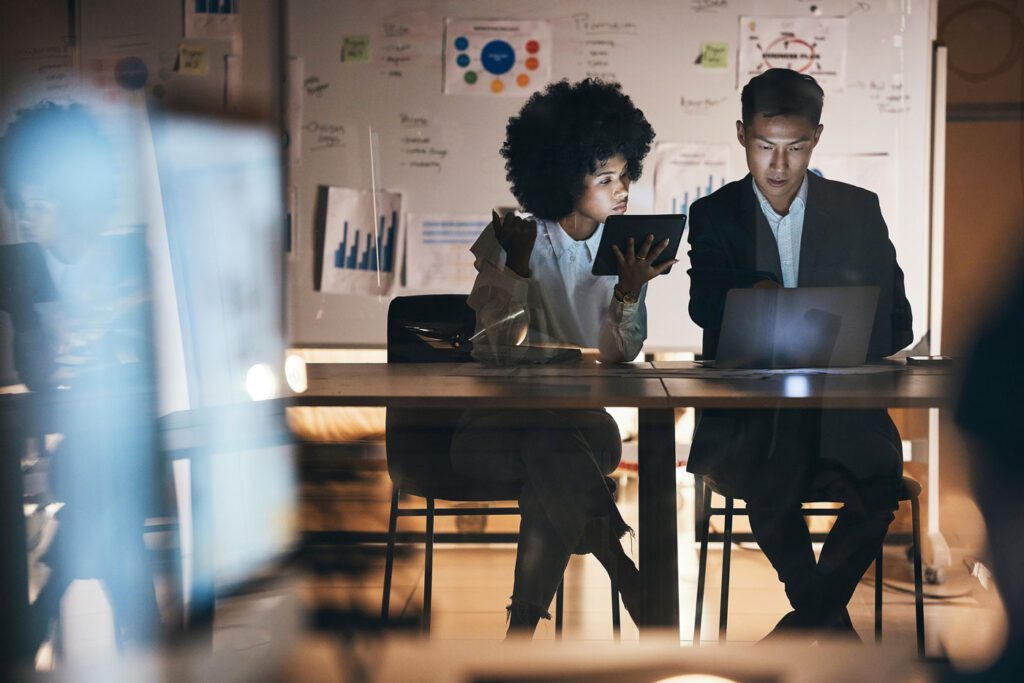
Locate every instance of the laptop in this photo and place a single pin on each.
(801, 327)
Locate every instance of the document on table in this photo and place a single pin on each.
(654, 370)
(688, 369)
(544, 370)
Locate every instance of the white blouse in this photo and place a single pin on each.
(561, 302)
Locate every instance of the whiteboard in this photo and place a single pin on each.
(877, 121)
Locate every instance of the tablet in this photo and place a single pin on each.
(619, 228)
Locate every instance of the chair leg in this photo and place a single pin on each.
(702, 565)
(389, 562)
(918, 583)
(879, 573)
(699, 508)
(428, 566)
(723, 613)
(559, 609)
(616, 615)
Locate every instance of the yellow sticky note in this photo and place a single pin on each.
(355, 49)
(192, 60)
(714, 55)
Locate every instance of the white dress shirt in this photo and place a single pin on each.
(788, 231)
(561, 302)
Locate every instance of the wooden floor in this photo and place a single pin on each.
(472, 584)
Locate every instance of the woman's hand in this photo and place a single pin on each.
(635, 266)
(516, 236)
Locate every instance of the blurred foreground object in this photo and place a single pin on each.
(990, 409)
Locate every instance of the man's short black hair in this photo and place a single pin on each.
(563, 134)
(782, 92)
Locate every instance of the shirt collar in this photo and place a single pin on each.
(766, 206)
(594, 240)
(562, 242)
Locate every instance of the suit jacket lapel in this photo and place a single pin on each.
(764, 254)
(815, 226)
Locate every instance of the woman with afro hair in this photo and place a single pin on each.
(571, 154)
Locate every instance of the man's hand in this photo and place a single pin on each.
(516, 236)
(635, 266)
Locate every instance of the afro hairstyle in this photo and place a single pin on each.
(563, 134)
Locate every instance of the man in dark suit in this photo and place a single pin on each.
(782, 226)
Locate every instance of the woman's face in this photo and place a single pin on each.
(37, 216)
(606, 191)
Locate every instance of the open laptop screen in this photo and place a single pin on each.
(799, 327)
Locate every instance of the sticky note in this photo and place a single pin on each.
(192, 60)
(714, 55)
(355, 49)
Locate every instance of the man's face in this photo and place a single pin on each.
(606, 190)
(778, 152)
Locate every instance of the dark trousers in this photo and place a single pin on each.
(801, 471)
(562, 458)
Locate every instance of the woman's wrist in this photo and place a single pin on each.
(520, 267)
(626, 295)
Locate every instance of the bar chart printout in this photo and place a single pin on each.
(681, 204)
(684, 172)
(362, 241)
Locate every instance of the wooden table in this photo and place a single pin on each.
(656, 389)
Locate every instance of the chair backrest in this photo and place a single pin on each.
(431, 328)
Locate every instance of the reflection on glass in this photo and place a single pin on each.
(796, 386)
(221, 296)
(261, 382)
(517, 321)
(295, 373)
(149, 246)
(79, 305)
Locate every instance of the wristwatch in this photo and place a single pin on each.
(624, 296)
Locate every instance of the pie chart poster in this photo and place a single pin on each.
(496, 57)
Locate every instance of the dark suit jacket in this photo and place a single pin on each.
(845, 242)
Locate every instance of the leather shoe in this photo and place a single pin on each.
(791, 626)
(797, 625)
(838, 625)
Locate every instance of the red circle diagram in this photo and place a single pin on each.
(786, 51)
(533, 47)
(532, 63)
